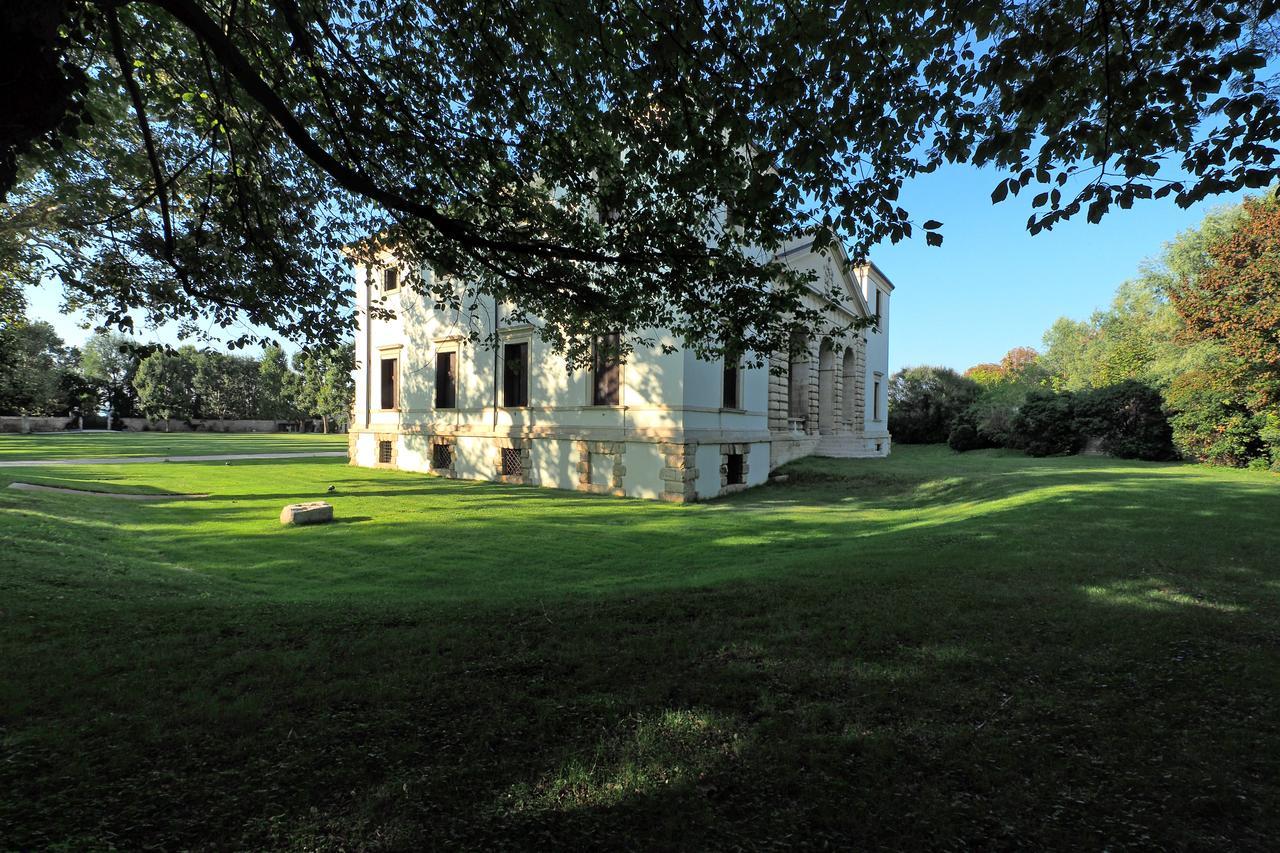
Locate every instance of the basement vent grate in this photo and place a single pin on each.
(441, 456)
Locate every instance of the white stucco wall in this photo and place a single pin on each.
(877, 350)
(667, 399)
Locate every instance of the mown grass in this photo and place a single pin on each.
(100, 445)
(927, 651)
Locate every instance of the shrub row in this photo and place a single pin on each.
(1126, 419)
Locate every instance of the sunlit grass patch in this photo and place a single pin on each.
(1156, 594)
(644, 754)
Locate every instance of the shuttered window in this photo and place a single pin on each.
(446, 380)
(515, 375)
(389, 381)
(606, 370)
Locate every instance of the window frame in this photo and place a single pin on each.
(390, 273)
(526, 378)
(876, 382)
(736, 370)
(452, 353)
(394, 360)
(593, 389)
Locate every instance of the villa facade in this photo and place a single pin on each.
(659, 425)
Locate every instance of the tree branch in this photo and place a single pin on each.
(140, 109)
(194, 18)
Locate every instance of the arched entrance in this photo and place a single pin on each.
(826, 388)
(850, 377)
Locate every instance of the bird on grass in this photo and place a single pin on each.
(332, 489)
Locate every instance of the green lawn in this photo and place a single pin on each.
(928, 651)
(96, 445)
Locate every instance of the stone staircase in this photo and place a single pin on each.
(849, 446)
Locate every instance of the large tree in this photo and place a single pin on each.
(1235, 300)
(37, 371)
(602, 165)
(324, 386)
(110, 360)
(165, 382)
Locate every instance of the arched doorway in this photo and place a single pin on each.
(798, 381)
(826, 388)
(850, 377)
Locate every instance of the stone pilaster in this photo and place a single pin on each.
(812, 377)
(778, 392)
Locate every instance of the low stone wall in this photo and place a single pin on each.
(61, 423)
(211, 425)
(18, 423)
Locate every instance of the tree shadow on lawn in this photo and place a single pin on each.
(1005, 678)
(713, 718)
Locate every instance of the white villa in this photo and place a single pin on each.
(657, 425)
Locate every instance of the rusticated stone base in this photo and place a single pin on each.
(679, 474)
(601, 467)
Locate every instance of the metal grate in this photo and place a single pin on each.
(512, 464)
(441, 456)
(384, 452)
(733, 468)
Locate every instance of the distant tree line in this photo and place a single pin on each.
(41, 375)
(1185, 362)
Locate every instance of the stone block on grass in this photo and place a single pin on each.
(313, 512)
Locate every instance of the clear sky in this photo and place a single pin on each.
(990, 286)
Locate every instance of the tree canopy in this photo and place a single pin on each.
(600, 165)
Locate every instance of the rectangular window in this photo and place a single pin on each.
(734, 469)
(441, 457)
(512, 464)
(875, 401)
(384, 452)
(606, 370)
(515, 375)
(390, 279)
(446, 380)
(878, 294)
(389, 370)
(732, 376)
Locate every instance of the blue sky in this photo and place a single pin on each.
(990, 286)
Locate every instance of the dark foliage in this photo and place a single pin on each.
(1129, 418)
(968, 433)
(924, 403)
(1046, 424)
(235, 148)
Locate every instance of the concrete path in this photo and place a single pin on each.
(128, 460)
